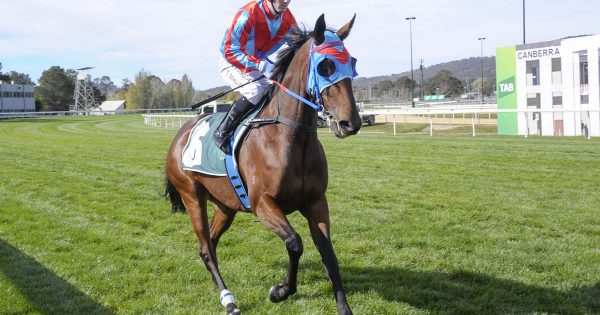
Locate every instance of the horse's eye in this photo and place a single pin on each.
(326, 68)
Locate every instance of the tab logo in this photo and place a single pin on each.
(506, 87)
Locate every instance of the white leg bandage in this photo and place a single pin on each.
(226, 298)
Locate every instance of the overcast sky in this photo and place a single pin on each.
(176, 37)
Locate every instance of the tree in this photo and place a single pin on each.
(444, 83)
(105, 86)
(181, 92)
(20, 78)
(139, 94)
(99, 97)
(55, 90)
(17, 77)
(404, 85)
(186, 91)
(488, 86)
(386, 85)
(159, 96)
(3, 77)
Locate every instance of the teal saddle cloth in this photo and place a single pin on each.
(201, 154)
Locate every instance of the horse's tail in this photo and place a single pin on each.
(173, 196)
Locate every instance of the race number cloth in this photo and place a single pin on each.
(201, 154)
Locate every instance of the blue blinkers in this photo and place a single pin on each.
(332, 49)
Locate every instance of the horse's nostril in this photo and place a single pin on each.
(344, 124)
(347, 126)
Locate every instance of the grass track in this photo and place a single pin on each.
(450, 224)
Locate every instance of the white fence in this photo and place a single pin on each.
(9, 115)
(476, 113)
(166, 121)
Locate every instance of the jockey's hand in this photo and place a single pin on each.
(265, 67)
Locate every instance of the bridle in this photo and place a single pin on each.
(333, 49)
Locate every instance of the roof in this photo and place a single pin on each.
(112, 105)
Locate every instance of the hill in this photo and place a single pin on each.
(464, 69)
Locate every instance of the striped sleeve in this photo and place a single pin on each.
(234, 43)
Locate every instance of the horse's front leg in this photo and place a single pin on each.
(317, 215)
(273, 217)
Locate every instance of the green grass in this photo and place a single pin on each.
(449, 224)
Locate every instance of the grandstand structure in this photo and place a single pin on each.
(552, 88)
(16, 98)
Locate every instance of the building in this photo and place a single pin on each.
(16, 98)
(110, 108)
(553, 87)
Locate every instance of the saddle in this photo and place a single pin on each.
(202, 155)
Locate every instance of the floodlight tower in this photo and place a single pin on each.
(84, 93)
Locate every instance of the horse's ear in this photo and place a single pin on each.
(319, 32)
(343, 32)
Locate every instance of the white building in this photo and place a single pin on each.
(109, 108)
(16, 98)
(559, 78)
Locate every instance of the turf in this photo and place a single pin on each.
(449, 224)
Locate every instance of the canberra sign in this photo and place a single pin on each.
(548, 52)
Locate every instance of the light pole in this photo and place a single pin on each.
(412, 81)
(523, 22)
(481, 39)
(421, 95)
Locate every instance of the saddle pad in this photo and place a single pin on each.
(201, 154)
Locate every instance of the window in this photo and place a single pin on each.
(557, 98)
(583, 72)
(584, 99)
(556, 71)
(533, 72)
(533, 100)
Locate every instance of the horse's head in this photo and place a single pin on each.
(330, 73)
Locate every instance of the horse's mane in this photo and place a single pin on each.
(295, 40)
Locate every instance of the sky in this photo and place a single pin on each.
(169, 38)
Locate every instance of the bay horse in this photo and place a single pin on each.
(283, 166)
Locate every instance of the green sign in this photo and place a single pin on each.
(506, 68)
(435, 97)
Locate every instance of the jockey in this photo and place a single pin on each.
(257, 31)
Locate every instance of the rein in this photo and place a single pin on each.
(284, 120)
(316, 107)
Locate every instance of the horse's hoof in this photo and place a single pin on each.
(232, 309)
(278, 294)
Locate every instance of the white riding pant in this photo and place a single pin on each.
(235, 77)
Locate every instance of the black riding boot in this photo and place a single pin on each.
(223, 133)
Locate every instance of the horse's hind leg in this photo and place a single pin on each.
(195, 203)
(221, 221)
(271, 215)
